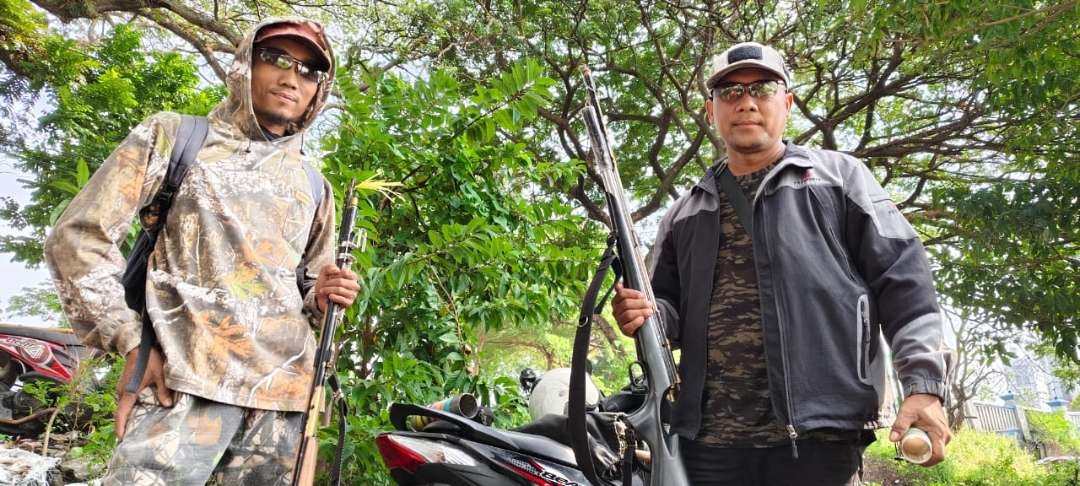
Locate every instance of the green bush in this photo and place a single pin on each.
(1053, 428)
(87, 404)
(1063, 473)
(977, 458)
(101, 399)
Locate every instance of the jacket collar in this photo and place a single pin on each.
(793, 155)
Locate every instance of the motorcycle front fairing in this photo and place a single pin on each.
(48, 351)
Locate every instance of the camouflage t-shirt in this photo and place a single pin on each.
(736, 409)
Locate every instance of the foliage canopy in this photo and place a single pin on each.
(967, 112)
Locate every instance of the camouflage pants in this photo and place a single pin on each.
(198, 439)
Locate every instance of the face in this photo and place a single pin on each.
(750, 124)
(280, 96)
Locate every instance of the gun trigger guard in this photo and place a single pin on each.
(637, 380)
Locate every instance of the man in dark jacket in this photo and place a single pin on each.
(779, 307)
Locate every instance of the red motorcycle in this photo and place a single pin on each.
(29, 354)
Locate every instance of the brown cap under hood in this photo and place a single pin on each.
(236, 109)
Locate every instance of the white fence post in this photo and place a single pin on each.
(1021, 417)
(1074, 419)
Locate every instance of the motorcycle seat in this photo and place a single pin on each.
(541, 446)
(53, 335)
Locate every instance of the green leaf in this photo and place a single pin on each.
(66, 186)
(57, 211)
(82, 173)
(449, 338)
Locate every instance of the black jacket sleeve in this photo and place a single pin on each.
(891, 259)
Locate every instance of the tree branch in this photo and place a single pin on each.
(207, 53)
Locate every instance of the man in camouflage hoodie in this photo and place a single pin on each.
(224, 395)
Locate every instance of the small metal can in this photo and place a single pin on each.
(464, 405)
(915, 446)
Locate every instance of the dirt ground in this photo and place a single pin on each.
(877, 471)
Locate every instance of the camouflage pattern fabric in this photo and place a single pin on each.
(221, 286)
(199, 440)
(737, 408)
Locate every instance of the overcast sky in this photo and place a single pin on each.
(15, 276)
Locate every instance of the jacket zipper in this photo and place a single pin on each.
(863, 315)
(792, 434)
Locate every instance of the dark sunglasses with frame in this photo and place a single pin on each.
(758, 89)
(283, 60)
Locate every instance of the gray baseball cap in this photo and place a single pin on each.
(748, 55)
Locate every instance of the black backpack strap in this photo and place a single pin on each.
(186, 146)
(579, 438)
(736, 198)
(189, 140)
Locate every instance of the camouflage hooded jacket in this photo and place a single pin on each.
(221, 282)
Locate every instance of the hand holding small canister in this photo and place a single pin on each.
(921, 430)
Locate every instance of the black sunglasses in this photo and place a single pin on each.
(757, 89)
(282, 60)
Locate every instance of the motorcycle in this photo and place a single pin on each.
(31, 354)
(452, 449)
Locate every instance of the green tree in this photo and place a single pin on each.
(976, 360)
(99, 90)
(965, 111)
(40, 302)
(469, 247)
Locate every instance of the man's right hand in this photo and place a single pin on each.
(630, 308)
(154, 376)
